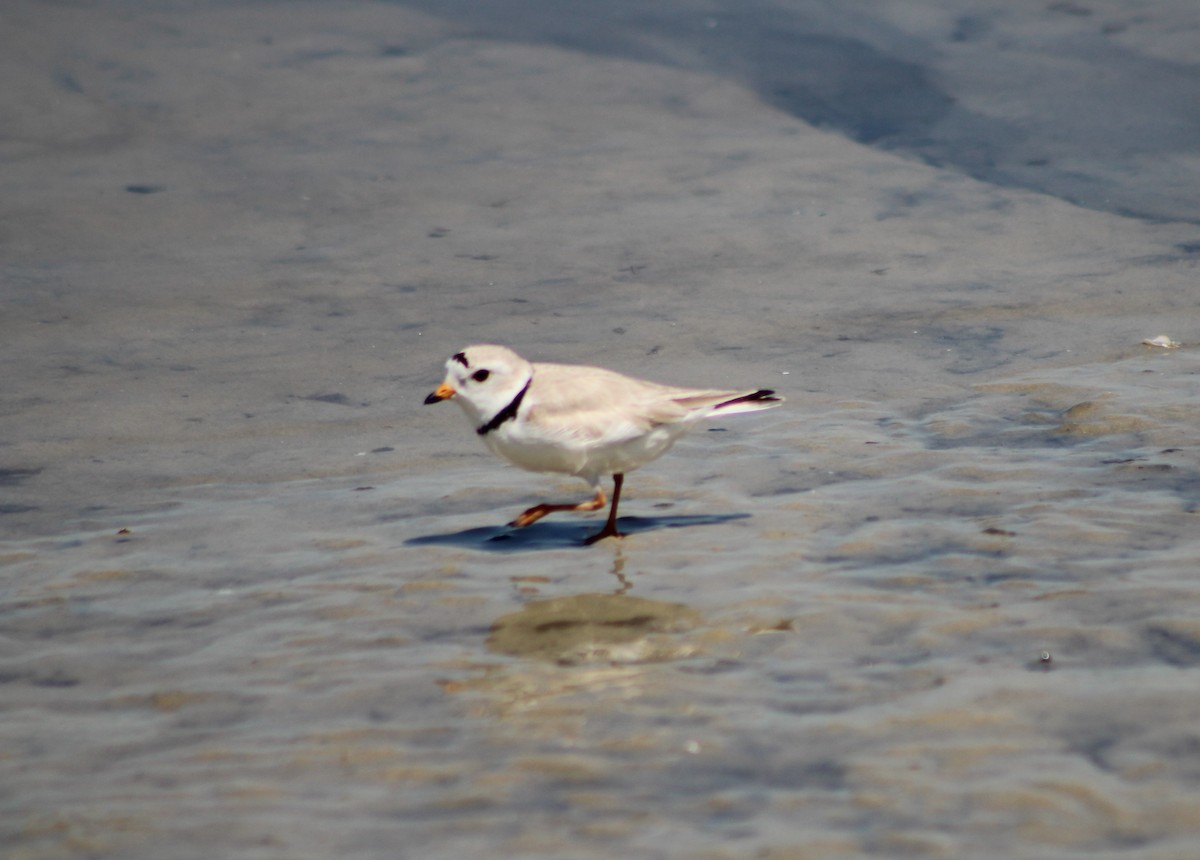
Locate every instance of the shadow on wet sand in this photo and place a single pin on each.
(560, 535)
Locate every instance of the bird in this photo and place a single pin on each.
(577, 420)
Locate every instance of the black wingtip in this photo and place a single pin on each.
(763, 395)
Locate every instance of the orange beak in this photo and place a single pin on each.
(442, 392)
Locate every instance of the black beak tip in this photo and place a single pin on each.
(432, 398)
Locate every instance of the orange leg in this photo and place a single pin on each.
(610, 527)
(538, 511)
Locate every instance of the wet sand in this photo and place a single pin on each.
(259, 601)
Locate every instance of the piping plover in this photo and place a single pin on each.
(583, 421)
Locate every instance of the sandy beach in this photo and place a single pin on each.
(258, 601)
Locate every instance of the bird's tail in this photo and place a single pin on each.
(752, 402)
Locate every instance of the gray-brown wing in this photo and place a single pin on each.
(599, 407)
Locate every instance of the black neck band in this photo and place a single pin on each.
(509, 411)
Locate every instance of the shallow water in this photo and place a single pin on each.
(257, 601)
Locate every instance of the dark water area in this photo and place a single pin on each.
(1104, 121)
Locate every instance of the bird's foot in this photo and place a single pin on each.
(609, 530)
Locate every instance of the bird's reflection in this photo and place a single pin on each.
(596, 628)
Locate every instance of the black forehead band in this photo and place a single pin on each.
(461, 358)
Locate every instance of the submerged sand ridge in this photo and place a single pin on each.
(253, 598)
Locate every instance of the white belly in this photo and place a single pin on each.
(586, 461)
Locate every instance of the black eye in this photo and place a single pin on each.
(481, 375)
